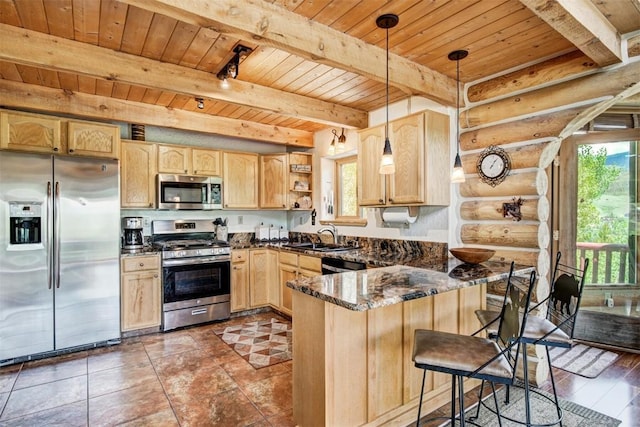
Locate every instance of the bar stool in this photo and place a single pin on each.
(489, 359)
(556, 328)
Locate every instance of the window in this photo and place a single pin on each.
(347, 210)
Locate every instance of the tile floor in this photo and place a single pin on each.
(187, 377)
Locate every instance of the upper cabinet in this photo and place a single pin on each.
(31, 132)
(206, 162)
(300, 180)
(420, 145)
(183, 160)
(93, 139)
(38, 133)
(240, 173)
(174, 159)
(273, 181)
(138, 160)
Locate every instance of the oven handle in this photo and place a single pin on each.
(194, 261)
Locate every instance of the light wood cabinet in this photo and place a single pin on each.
(138, 162)
(206, 162)
(183, 160)
(141, 292)
(240, 177)
(93, 139)
(31, 132)
(263, 278)
(300, 181)
(38, 133)
(292, 267)
(239, 280)
(174, 159)
(420, 145)
(273, 181)
(371, 185)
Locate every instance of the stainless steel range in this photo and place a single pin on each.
(195, 272)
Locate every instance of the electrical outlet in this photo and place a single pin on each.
(145, 222)
(240, 220)
(301, 220)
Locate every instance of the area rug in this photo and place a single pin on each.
(582, 360)
(262, 344)
(543, 411)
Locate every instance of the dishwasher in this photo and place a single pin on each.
(337, 265)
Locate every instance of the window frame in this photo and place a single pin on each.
(359, 220)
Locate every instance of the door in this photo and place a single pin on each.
(87, 224)
(597, 211)
(26, 299)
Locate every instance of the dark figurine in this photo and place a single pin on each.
(566, 286)
(512, 210)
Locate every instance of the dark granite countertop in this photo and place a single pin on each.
(378, 287)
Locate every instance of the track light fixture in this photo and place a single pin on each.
(232, 68)
(457, 176)
(387, 165)
(200, 103)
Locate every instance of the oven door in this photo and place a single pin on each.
(187, 284)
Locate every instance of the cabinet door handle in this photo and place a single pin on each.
(55, 148)
(155, 276)
(391, 200)
(71, 150)
(141, 264)
(380, 200)
(195, 172)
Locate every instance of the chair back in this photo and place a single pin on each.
(563, 302)
(513, 316)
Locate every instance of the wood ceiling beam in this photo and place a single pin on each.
(275, 26)
(580, 22)
(40, 98)
(55, 53)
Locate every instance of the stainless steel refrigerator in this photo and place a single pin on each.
(59, 254)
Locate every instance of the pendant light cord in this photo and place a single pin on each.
(386, 128)
(458, 107)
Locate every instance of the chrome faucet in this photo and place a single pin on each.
(331, 229)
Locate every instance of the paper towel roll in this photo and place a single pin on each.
(402, 216)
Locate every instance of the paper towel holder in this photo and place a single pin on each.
(399, 216)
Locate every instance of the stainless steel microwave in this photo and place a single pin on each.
(189, 192)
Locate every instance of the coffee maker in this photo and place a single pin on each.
(132, 233)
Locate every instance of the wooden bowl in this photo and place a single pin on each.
(472, 255)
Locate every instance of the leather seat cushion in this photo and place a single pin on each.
(446, 352)
(537, 327)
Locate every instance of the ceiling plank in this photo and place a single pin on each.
(580, 22)
(38, 98)
(276, 26)
(41, 50)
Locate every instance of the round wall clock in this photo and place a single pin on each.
(493, 165)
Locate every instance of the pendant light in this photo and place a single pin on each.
(457, 176)
(387, 165)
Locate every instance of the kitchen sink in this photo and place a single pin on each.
(319, 247)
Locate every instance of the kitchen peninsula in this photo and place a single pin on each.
(353, 339)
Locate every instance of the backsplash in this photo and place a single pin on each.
(428, 252)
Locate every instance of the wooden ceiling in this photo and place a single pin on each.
(313, 64)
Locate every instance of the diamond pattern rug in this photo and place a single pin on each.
(262, 344)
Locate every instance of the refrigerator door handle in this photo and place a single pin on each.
(48, 237)
(56, 235)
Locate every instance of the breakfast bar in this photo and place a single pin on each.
(353, 339)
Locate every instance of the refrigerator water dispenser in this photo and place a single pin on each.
(25, 223)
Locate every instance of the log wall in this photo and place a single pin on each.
(528, 112)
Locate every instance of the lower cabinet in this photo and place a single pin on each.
(239, 280)
(141, 292)
(259, 277)
(292, 267)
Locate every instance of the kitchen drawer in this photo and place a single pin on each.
(288, 258)
(240, 255)
(310, 263)
(140, 263)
